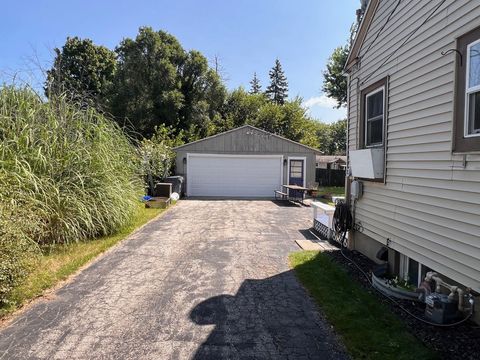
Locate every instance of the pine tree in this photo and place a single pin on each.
(277, 91)
(256, 88)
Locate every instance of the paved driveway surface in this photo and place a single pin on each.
(208, 280)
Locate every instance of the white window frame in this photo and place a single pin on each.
(468, 91)
(404, 269)
(381, 88)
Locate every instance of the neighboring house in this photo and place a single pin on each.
(331, 162)
(414, 136)
(244, 162)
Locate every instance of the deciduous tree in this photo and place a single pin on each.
(334, 82)
(82, 69)
(158, 82)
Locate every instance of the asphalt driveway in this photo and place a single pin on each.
(208, 280)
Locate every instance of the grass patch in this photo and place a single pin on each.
(59, 261)
(332, 190)
(325, 194)
(368, 328)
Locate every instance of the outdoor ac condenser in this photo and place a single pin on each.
(367, 163)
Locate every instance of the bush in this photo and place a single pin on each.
(157, 156)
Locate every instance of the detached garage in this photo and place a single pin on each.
(244, 162)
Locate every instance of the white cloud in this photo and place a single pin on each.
(320, 101)
(324, 109)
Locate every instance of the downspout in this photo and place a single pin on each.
(347, 172)
(348, 178)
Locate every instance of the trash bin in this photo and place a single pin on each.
(177, 183)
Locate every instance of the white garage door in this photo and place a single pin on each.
(233, 175)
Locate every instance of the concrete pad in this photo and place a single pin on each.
(309, 245)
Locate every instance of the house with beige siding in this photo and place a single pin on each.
(414, 137)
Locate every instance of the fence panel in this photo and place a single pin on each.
(330, 177)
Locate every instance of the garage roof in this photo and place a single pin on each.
(244, 130)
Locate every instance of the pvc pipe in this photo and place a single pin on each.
(453, 288)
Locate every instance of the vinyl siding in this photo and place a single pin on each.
(429, 206)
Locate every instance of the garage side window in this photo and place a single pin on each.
(373, 115)
(466, 129)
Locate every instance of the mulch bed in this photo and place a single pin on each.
(457, 342)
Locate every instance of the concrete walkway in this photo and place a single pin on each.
(208, 280)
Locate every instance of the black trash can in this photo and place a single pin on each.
(177, 184)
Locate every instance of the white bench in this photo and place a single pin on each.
(323, 218)
(282, 195)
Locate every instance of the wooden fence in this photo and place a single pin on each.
(330, 177)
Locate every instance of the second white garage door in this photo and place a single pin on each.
(233, 175)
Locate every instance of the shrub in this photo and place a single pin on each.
(157, 156)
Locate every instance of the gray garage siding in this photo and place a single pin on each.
(430, 205)
(248, 140)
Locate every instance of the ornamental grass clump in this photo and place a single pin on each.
(69, 172)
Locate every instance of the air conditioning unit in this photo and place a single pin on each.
(367, 163)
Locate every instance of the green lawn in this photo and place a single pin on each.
(369, 329)
(329, 191)
(60, 261)
(332, 190)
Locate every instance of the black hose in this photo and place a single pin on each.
(343, 222)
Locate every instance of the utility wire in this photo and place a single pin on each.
(407, 38)
(381, 29)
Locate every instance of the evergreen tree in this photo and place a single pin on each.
(256, 88)
(277, 91)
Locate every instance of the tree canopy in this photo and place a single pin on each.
(335, 83)
(83, 69)
(157, 90)
(158, 82)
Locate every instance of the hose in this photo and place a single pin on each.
(342, 222)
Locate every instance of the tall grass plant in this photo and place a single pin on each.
(67, 174)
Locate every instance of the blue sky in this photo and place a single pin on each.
(246, 35)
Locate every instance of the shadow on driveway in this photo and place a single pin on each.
(272, 318)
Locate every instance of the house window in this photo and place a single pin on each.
(410, 270)
(472, 93)
(296, 168)
(374, 111)
(466, 136)
(373, 115)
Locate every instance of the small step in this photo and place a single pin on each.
(309, 245)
